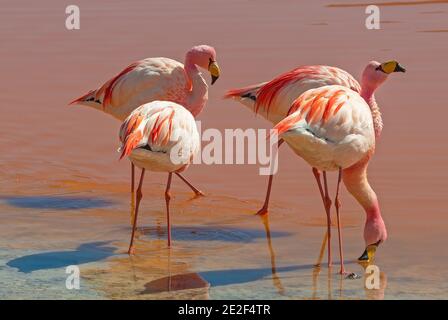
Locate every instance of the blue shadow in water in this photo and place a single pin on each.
(85, 253)
(212, 233)
(56, 202)
(238, 276)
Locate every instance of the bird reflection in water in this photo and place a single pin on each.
(275, 278)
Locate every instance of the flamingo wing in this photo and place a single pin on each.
(330, 127)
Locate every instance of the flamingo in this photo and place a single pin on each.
(159, 136)
(272, 100)
(332, 129)
(156, 79)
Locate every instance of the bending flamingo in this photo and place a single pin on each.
(273, 99)
(159, 136)
(156, 79)
(332, 129)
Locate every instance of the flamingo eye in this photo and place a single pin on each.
(379, 68)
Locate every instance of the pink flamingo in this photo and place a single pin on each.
(159, 136)
(332, 128)
(156, 79)
(273, 99)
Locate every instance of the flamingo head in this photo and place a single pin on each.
(374, 234)
(376, 73)
(204, 56)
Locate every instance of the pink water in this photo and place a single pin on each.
(63, 189)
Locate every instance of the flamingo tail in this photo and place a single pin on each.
(247, 95)
(88, 99)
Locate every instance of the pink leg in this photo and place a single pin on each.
(132, 193)
(316, 174)
(327, 208)
(327, 204)
(167, 201)
(132, 178)
(195, 190)
(264, 209)
(139, 197)
(337, 204)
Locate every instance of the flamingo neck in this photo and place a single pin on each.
(355, 180)
(368, 93)
(198, 94)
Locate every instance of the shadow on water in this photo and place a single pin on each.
(205, 233)
(85, 253)
(176, 283)
(238, 276)
(56, 202)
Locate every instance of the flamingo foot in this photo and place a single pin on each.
(344, 272)
(199, 194)
(263, 211)
(352, 276)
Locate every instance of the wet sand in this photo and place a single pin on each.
(64, 194)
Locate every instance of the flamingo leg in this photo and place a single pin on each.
(265, 207)
(139, 197)
(327, 208)
(327, 205)
(132, 178)
(167, 201)
(195, 190)
(132, 192)
(322, 250)
(337, 204)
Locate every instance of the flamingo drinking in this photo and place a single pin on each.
(157, 79)
(159, 136)
(332, 128)
(273, 99)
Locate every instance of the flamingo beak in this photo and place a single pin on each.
(214, 70)
(391, 66)
(399, 68)
(369, 253)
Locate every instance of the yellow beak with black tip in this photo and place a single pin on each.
(391, 66)
(369, 253)
(213, 68)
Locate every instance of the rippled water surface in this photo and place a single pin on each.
(64, 196)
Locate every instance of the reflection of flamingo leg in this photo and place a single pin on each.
(275, 278)
(316, 271)
(265, 207)
(195, 190)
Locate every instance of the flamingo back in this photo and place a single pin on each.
(273, 99)
(141, 82)
(330, 127)
(161, 133)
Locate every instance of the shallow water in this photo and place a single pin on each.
(64, 196)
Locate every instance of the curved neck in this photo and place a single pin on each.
(198, 95)
(355, 180)
(367, 92)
